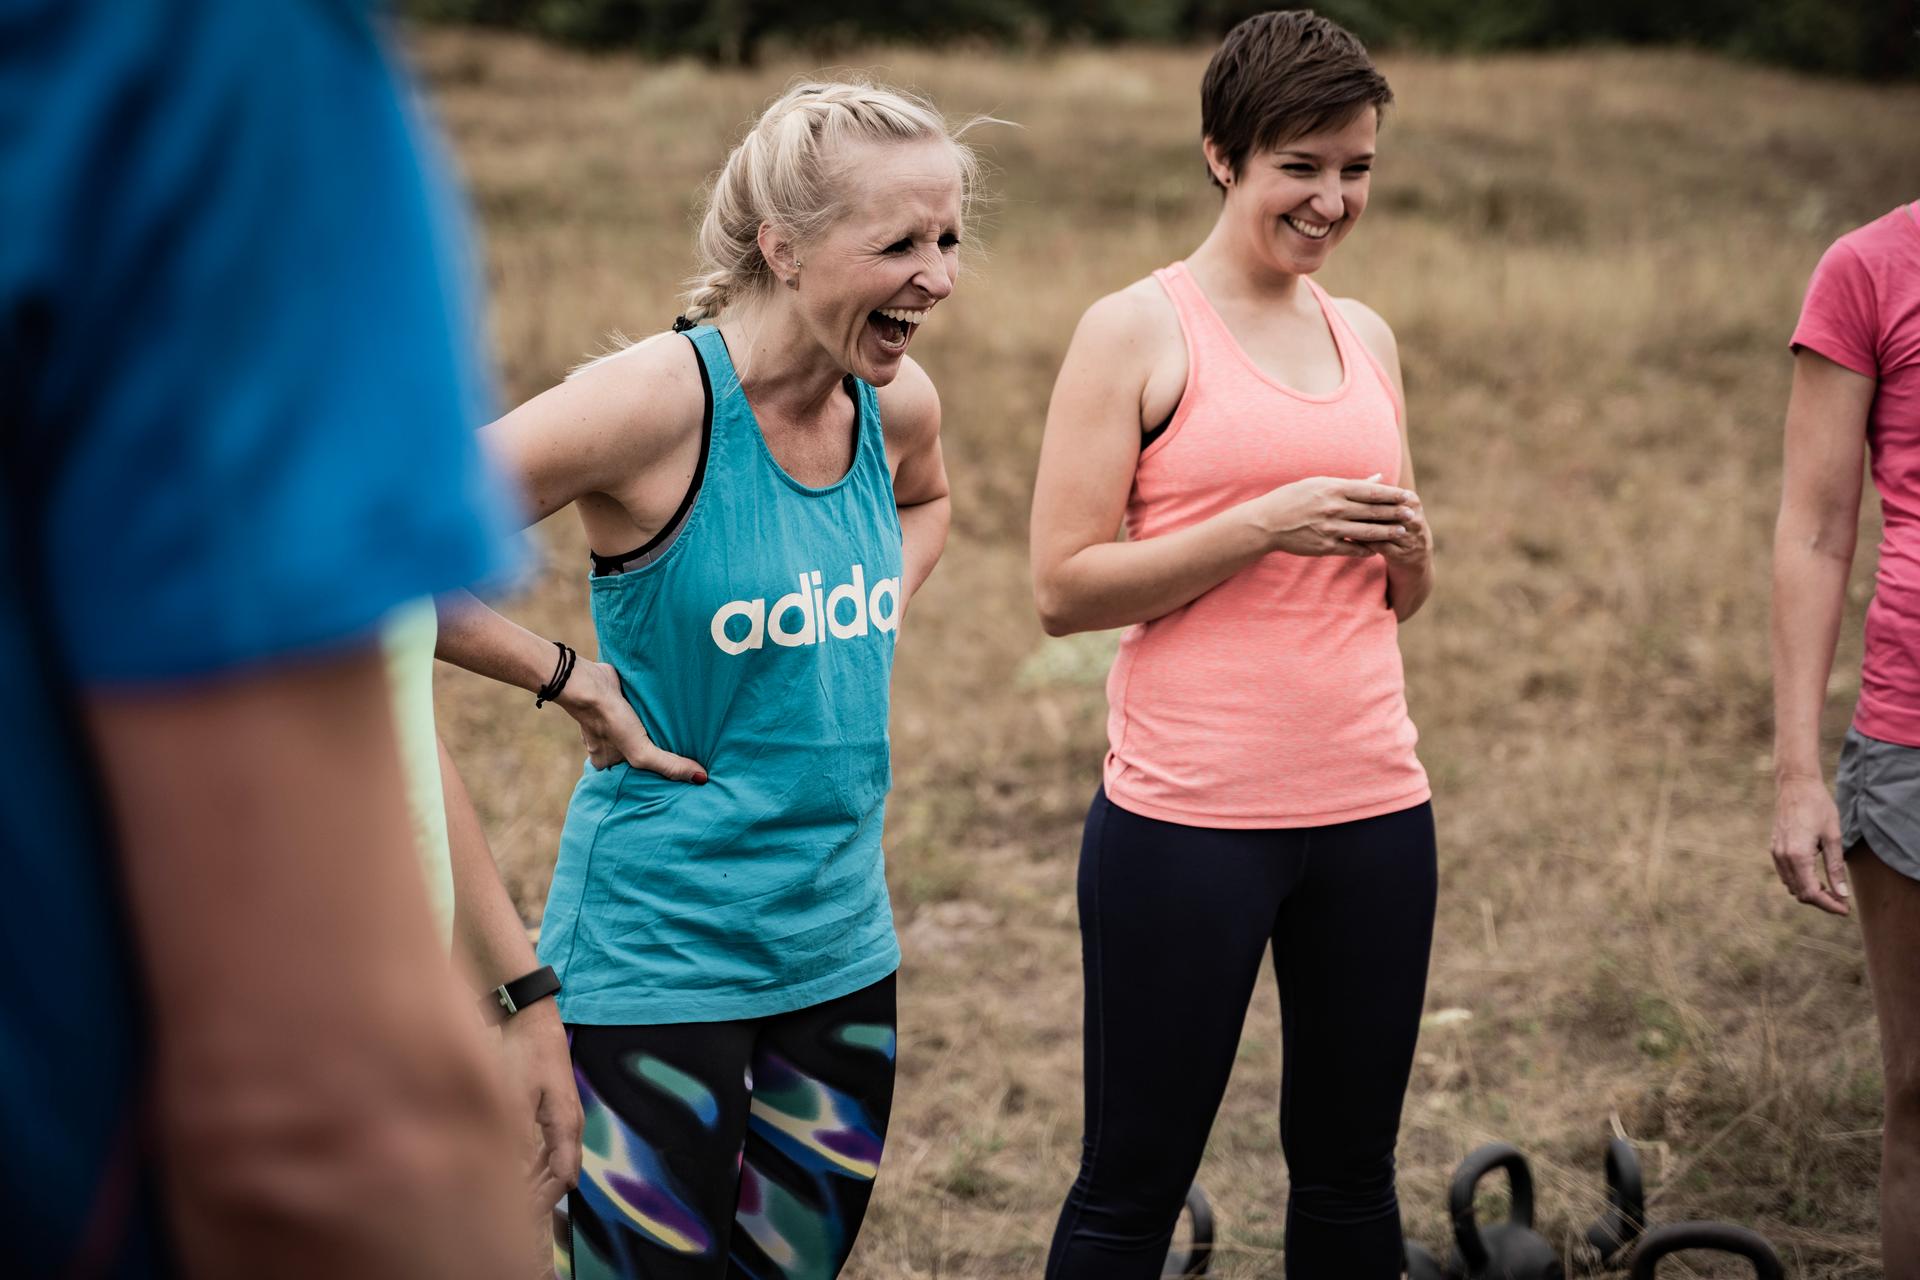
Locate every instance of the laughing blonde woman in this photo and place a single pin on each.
(763, 492)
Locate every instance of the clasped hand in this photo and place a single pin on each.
(1326, 516)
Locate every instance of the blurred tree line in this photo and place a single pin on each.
(1875, 39)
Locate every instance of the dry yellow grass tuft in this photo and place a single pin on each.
(1592, 262)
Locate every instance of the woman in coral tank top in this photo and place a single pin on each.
(1260, 783)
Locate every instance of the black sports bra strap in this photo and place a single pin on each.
(1154, 433)
(605, 566)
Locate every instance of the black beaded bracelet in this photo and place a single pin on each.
(562, 668)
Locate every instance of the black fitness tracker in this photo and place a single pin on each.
(510, 998)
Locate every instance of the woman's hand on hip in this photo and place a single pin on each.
(610, 729)
(1325, 516)
(1806, 840)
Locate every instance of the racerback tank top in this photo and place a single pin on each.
(760, 643)
(1276, 699)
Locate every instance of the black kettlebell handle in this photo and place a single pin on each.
(1199, 1255)
(1721, 1237)
(1418, 1262)
(1626, 1215)
(1466, 1180)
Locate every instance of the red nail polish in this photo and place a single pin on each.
(700, 777)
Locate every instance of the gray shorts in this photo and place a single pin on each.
(1877, 789)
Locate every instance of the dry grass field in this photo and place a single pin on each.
(1592, 261)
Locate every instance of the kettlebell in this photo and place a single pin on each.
(1721, 1237)
(1198, 1255)
(1509, 1250)
(1626, 1218)
(1421, 1264)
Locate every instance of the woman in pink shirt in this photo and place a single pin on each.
(1856, 383)
(1261, 785)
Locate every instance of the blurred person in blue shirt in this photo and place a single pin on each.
(237, 382)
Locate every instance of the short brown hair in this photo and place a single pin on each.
(1282, 75)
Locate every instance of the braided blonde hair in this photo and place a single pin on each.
(788, 171)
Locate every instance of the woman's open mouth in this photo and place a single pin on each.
(1311, 230)
(894, 326)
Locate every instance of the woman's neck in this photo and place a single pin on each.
(1228, 268)
(781, 368)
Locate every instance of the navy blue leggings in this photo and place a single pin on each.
(1173, 923)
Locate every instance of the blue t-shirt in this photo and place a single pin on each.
(239, 372)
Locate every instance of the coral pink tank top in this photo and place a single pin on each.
(1275, 699)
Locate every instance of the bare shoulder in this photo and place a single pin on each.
(909, 407)
(653, 388)
(1374, 331)
(609, 429)
(1128, 351)
(1133, 320)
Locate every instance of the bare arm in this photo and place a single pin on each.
(493, 942)
(910, 410)
(622, 437)
(1813, 547)
(1409, 557)
(1085, 581)
(325, 1107)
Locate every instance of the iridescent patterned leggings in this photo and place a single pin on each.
(729, 1149)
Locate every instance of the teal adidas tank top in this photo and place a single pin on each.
(759, 643)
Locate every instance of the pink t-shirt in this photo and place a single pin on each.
(1863, 312)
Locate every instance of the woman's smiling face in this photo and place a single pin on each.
(1295, 202)
(868, 282)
